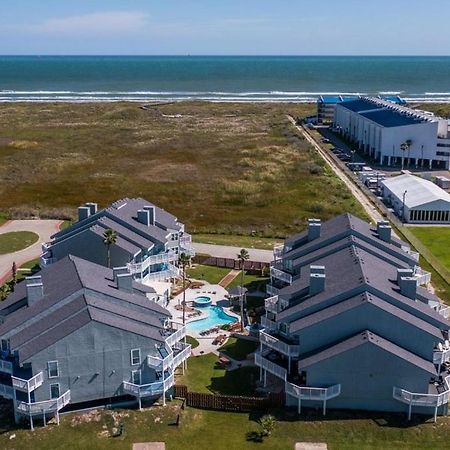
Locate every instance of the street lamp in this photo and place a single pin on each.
(403, 207)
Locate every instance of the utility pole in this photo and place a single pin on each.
(403, 207)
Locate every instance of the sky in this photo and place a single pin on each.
(224, 27)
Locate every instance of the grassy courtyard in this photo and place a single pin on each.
(16, 240)
(437, 239)
(221, 168)
(207, 273)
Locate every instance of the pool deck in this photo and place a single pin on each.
(218, 297)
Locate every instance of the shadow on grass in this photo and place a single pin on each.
(235, 382)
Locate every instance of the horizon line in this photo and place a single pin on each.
(376, 55)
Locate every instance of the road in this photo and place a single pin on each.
(43, 228)
(365, 202)
(224, 251)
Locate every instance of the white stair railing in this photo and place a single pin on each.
(28, 385)
(270, 366)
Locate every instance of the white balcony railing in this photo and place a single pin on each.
(272, 290)
(280, 275)
(411, 253)
(46, 406)
(268, 324)
(45, 261)
(6, 367)
(278, 251)
(422, 276)
(45, 246)
(179, 332)
(170, 272)
(150, 389)
(278, 345)
(312, 393)
(28, 385)
(6, 391)
(270, 366)
(160, 258)
(417, 399)
(441, 355)
(271, 304)
(158, 363)
(443, 310)
(182, 356)
(186, 244)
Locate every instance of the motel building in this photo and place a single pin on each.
(394, 135)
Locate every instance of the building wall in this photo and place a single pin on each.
(367, 375)
(93, 362)
(367, 317)
(89, 245)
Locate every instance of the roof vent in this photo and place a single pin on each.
(152, 214)
(316, 280)
(35, 289)
(83, 213)
(118, 271)
(125, 282)
(384, 231)
(143, 217)
(314, 229)
(403, 273)
(408, 287)
(93, 207)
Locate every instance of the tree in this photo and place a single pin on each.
(14, 276)
(267, 424)
(5, 290)
(184, 260)
(404, 147)
(242, 257)
(109, 238)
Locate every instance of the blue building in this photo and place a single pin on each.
(78, 332)
(349, 324)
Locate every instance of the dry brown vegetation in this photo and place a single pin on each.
(221, 168)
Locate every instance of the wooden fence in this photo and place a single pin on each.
(230, 263)
(234, 403)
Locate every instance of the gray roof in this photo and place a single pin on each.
(368, 338)
(334, 311)
(73, 287)
(121, 216)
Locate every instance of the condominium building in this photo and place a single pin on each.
(149, 239)
(351, 325)
(78, 332)
(394, 134)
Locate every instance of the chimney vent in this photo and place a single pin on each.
(83, 213)
(316, 279)
(118, 271)
(384, 230)
(143, 217)
(125, 282)
(92, 208)
(151, 213)
(35, 289)
(408, 287)
(314, 229)
(403, 273)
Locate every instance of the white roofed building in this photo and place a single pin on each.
(417, 200)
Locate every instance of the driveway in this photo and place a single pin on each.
(225, 251)
(43, 228)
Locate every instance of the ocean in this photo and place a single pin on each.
(220, 78)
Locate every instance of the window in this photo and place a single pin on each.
(135, 356)
(54, 390)
(53, 370)
(5, 345)
(136, 376)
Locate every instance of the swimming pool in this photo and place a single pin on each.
(216, 316)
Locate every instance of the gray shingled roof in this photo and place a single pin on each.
(368, 338)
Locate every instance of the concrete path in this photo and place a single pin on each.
(225, 251)
(44, 228)
(229, 277)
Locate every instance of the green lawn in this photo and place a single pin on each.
(206, 430)
(237, 241)
(437, 239)
(204, 375)
(191, 340)
(238, 348)
(16, 240)
(208, 273)
(251, 282)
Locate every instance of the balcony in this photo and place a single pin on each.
(161, 258)
(272, 290)
(312, 393)
(7, 391)
(275, 304)
(441, 354)
(268, 324)
(443, 310)
(276, 342)
(186, 244)
(175, 332)
(46, 261)
(270, 366)
(280, 275)
(162, 275)
(414, 255)
(6, 367)
(278, 251)
(45, 247)
(423, 277)
(28, 385)
(46, 406)
(181, 356)
(146, 390)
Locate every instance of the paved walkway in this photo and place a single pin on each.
(229, 277)
(44, 228)
(225, 251)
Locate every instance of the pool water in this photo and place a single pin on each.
(202, 300)
(216, 316)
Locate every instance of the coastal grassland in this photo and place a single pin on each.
(221, 168)
(205, 430)
(437, 240)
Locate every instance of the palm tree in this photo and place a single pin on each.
(404, 147)
(109, 238)
(14, 276)
(242, 257)
(184, 260)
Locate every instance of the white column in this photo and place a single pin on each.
(389, 161)
(140, 403)
(164, 388)
(45, 421)
(265, 378)
(409, 411)
(299, 405)
(324, 406)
